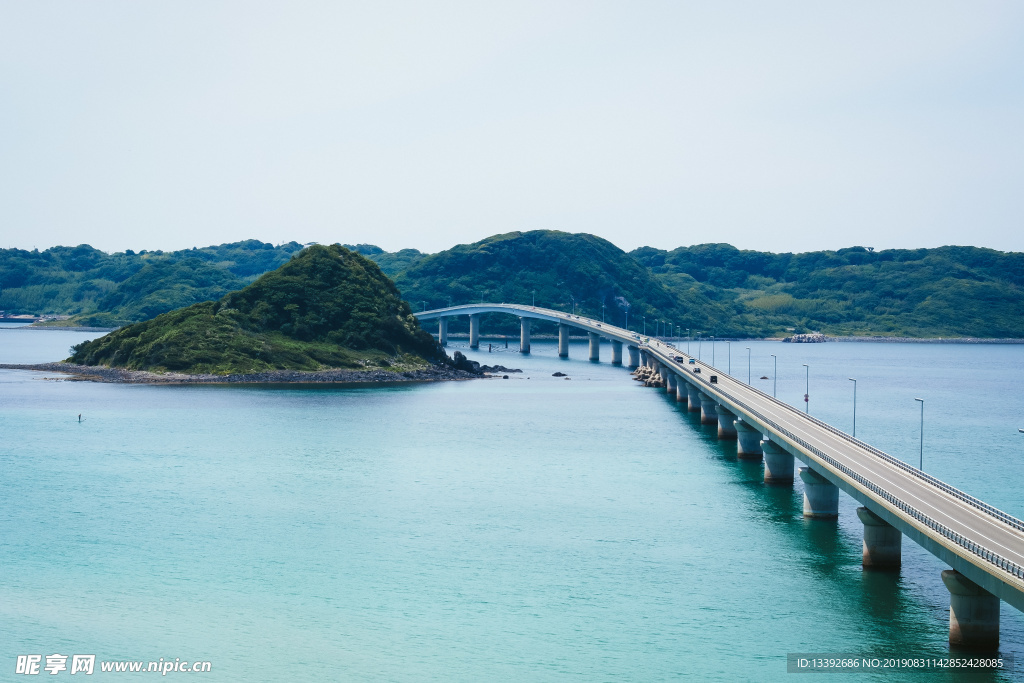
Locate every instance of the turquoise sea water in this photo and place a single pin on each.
(534, 528)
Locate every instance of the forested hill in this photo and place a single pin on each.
(326, 308)
(944, 292)
(710, 288)
(108, 290)
(556, 270)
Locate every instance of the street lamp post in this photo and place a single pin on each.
(728, 348)
(535, 298)
(645, 325)
(449, 302)
(748, 366)
(854, 405)
(920, 462)
(687, 341)
(807, 389)
(712, 350)
(602, 311)
(775, 376)
(627, 318)
(424, 305)
(699, 345)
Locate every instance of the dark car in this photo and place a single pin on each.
(697, 370)
(714, 379)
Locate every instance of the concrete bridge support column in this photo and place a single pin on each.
(616, 352)
(442, 331)
(524, 335)
(643, 357)
(882, 542)
(821, 497)
(726, 420)
(748, 438)
(692, 398)
(595, 347)
(474, 331)
(634, 357)
(670, 382)
(973, 614)
(680, 389)
(708, 416)
(563, 340)
(778, 463)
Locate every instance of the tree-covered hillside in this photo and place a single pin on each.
(556, 270)
(708, 288)
(392, 263)
(114, 289)
(943, 292)
(326, 308)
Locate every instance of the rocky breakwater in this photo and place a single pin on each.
(649, 376)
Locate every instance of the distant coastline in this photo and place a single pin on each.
(551, 337)
(94, 373)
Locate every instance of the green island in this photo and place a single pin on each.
(325, 308)
(952, 291)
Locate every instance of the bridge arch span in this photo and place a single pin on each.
(596, 330)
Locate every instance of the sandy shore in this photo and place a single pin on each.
(94, 373)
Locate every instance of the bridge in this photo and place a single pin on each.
(983, 546)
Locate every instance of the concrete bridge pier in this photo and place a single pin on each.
(563, 340)
(821, 497)
(442, 331)
(748, 438)
(595, 347)
(726, 418)
(616, 352)
(778, 463)
(634, 357)
(680, 389)
(708, 415)
(670, 382)
(474, 331)
(882, 542)
(524, 335)
(692, 398)
(973, 614)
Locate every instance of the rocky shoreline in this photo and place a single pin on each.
(93, 373)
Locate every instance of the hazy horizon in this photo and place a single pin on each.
(363, 242)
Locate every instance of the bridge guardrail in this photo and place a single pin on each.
(972, 547)
(906, 467)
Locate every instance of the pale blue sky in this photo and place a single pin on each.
(784, 126)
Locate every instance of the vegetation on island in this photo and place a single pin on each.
(707, 288)
(325, 308)
(556, 270)
(943, 292)
(108, 290)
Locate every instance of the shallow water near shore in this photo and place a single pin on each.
(534, 528)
